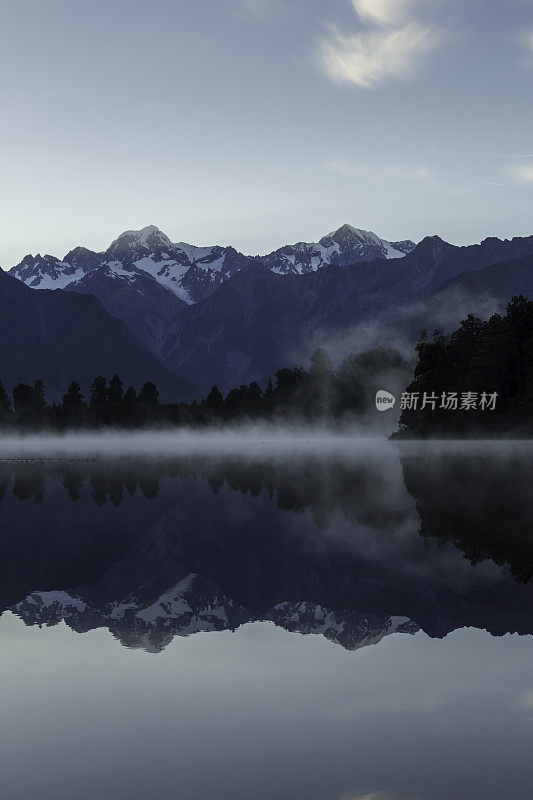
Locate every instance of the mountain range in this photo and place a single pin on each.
(192, 273)
(193, 605)
(215, 315)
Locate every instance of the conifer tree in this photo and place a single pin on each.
(115, 393)
(39, 401)
(149, 394)
(5, 402)
(253, 398)
(23, 398)
(214, 399)
(130, 396)
(98, 392)
(268, 398)
(73, 397)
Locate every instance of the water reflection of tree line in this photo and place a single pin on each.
(28, 481)
(357, 489)
(482, 504)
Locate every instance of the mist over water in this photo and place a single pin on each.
(156, 443)
(273, 440)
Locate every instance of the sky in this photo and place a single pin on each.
(258, 123)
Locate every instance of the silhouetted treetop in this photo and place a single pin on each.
(73, 396)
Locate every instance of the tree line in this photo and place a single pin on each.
(481, 358)
(319, 393)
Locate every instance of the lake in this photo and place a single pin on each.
(265, 616)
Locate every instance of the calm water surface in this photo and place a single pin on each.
(329, 622)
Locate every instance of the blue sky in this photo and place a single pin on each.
(262, 122)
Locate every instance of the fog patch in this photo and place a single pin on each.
(257, 440)
(398, 327)
(231, 440)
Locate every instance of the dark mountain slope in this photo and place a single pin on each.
(143, 304)
(241, 330)
(503, 279)
(258, 321)
(430, 265)
(61, 336)
(481, 292)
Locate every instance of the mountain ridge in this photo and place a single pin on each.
(235, 318)
(62, 336)
(151, 250)
(259, 321)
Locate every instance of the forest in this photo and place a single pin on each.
(320, 393)
(457, 373)
(475, 381)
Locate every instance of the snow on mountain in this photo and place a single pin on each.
(405, 247)
(343, 247)
(193, 273)
(195, 604)
(46, 272)
(189, 272)
(351, 629)
(192, 605)
(148, 238)
(190, 282)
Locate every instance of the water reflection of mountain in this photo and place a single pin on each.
(331, 546)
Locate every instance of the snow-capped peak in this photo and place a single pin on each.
(144, 237)
(347, 233)
(343, 247)
(193, 273)
(347, 230)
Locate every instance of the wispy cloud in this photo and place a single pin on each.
(368, 59)
(389, 49)
(522, 173)
(383, 12)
